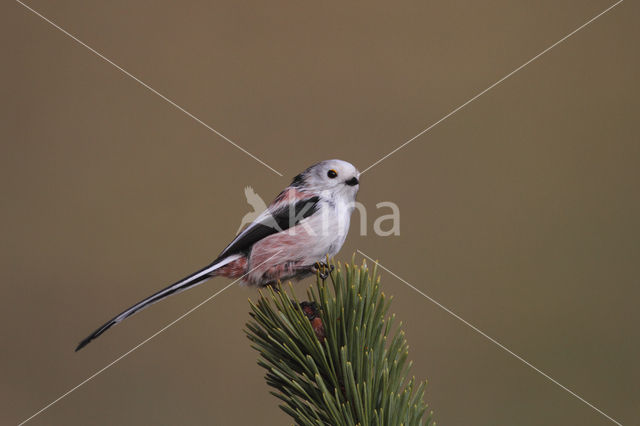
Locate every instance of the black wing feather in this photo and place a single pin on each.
(280, 220)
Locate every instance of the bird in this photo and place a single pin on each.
(308, 221)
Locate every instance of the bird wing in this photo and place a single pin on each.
(287, 210)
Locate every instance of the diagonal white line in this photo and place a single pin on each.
(494, 341)
(142, 83)
(493, 85)
(141, 343)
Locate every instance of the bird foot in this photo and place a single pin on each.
(323, 269)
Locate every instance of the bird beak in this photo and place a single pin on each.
(352, 182)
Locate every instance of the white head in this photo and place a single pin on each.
(334, 177)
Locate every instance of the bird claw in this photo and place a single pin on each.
(323, 270)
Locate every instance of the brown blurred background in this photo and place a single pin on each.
(520, 213)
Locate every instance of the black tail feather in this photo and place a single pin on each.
(184, 284)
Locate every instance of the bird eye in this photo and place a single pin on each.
(332, 174)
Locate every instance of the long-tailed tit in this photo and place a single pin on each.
(306, 222)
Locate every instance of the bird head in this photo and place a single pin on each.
(333, 177)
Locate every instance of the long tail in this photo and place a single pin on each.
(192, 280)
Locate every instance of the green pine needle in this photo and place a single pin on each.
(357, 373)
